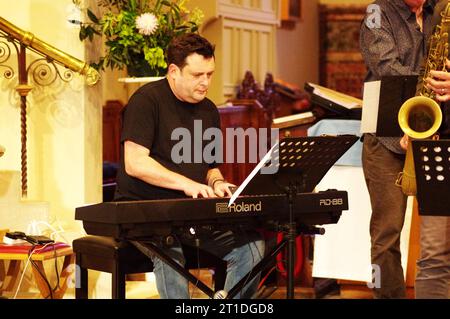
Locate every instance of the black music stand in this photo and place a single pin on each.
(432, 167)
(302, 163)
(394, 91)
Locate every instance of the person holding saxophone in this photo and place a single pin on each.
(433, 265)
(396, 45)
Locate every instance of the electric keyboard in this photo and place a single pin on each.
(133, 219)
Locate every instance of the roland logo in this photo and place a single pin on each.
(238, 207)
(331, 202)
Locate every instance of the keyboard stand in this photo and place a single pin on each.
(150, 249)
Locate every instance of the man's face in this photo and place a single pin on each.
(414, 3)
(192, 82)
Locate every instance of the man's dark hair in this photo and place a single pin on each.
(183, 46)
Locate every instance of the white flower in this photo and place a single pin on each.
(146, 23)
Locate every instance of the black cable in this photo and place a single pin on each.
(40, 272)
(51, 290)
(21, 235)
(56, 268)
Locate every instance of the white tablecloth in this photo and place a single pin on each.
(343, 252)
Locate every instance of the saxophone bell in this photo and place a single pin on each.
(419, 117)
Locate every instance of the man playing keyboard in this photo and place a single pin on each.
(149, 169)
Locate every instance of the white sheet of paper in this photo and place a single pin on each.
(342, 99)
(371, 99)
(250, 176)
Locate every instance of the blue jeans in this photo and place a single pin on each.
(240, 260)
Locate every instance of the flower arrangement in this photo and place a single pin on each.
(137, 32)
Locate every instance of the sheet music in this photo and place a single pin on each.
(371, 101)
(251, 175)
(342, 99)
(292, 120)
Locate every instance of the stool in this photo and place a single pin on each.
(16, 254)
(120, 258)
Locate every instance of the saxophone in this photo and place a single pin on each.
(420, 116)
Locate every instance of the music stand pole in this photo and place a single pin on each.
(303, 162)
(291, 234)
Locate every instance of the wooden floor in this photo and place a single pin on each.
(142, 288)
(269, 292)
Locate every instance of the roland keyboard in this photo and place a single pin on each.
(132, 219)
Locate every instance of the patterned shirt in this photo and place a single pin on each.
(395, 45)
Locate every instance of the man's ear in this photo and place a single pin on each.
(173, 70)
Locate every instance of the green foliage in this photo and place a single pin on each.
(125, 46)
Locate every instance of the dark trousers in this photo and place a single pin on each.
(381, 168)
(433, 266)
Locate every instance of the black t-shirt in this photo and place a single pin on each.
(149, 119)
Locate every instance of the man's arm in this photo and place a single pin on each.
(379, 49)
(139, 164)
(216, 181)
(439, 82)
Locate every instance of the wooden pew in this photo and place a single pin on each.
(241, 114)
